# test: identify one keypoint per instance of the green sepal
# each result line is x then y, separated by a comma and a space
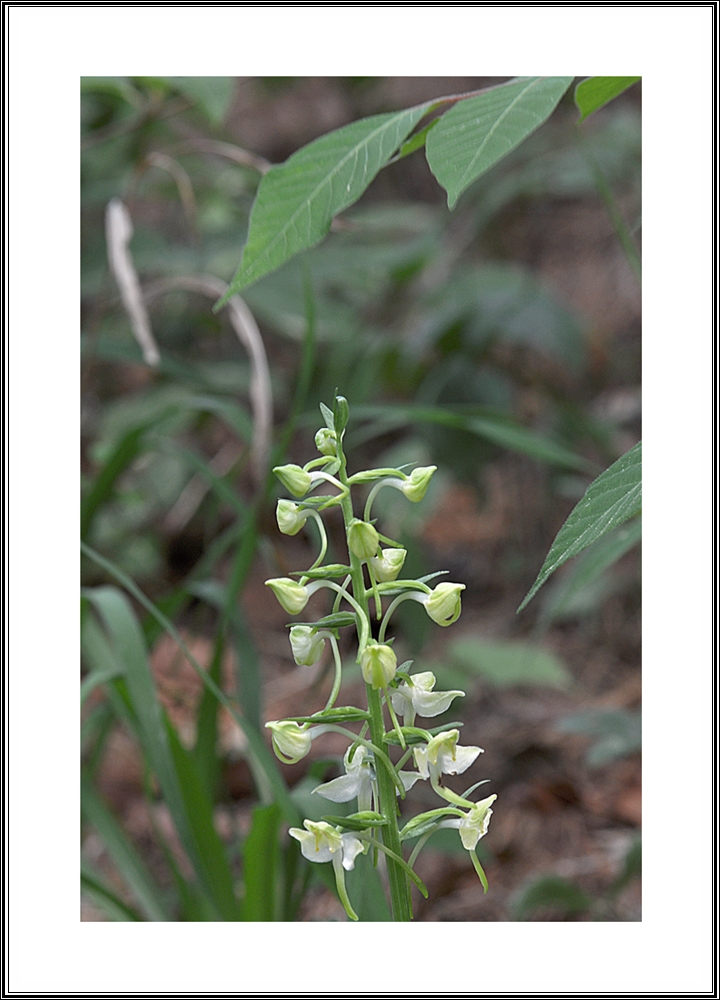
323, 572
328, 417
341, 619
357, 821
424, 822
347, 713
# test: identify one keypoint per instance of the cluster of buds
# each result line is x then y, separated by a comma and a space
370, 576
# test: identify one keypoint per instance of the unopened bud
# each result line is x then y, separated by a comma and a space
363, 540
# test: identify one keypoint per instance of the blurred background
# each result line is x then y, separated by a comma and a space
500, 342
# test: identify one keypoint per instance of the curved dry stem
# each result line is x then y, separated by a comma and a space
118, 233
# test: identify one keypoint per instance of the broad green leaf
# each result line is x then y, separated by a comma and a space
505, 664
129, 863
297, 200
597, 91
613, 498
554, 893
474, 134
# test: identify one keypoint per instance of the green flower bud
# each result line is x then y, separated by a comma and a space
415, 487
290, 518
341, 413
326, 441
443, 604
388, 564
289, 593
293, 478
307, 645
363, 540
378, 665
291, 742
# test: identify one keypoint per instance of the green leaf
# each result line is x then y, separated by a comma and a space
613, 498
262, 858
597, 91
581, 587
339, 620
323, 572
554, 893
335, 715
478, 132
357, 821
504, 664
297, 200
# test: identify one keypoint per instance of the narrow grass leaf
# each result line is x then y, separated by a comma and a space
613, 498
297, 200
105, 898
478, 132
218, 877
154, 731
597, 91
261, 759
261, 864
124, 855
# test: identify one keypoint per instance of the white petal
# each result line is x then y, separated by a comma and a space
409, 778
308, 846
340, 789
459, 761
421, 759
431, 703
351, 848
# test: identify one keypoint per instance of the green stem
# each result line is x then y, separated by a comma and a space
400, 899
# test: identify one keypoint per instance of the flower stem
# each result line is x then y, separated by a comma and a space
400, 899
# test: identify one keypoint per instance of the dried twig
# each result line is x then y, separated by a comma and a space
118, 232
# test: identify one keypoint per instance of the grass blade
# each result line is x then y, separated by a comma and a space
128, 862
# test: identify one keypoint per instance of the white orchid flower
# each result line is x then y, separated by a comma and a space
357, 782
322, 842
442, 755
419, 698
